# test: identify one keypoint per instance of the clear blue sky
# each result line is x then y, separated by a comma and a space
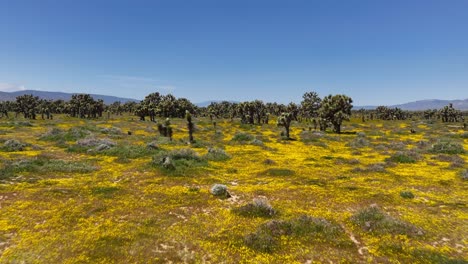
377, 52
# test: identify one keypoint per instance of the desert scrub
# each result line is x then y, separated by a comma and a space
72, 134
404, 157
13, 145
407, 194
220, 190
277, 172
16, 124
92, 144
111, 130
44, 165
259, 207
373, 219
178, 160
306, 228
464, 175
242, 137
447, 147
311, 136
216, 154
246, 138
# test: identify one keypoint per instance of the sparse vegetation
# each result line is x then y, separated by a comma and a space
100, 191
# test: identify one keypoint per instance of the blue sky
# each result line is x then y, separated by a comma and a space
377, 52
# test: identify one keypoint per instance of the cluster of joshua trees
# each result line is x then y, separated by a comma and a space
321, 113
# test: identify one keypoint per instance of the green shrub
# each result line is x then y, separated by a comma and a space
111, 130
13, 145
259, 207
179, 160
217, 154
447, 147
73, 134
372, 219
404, 157
407, 194
278, 172
43, 164
242, 137
267, 237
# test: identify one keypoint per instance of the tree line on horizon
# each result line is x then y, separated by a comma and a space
322, 113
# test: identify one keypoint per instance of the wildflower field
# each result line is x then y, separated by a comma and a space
88, 191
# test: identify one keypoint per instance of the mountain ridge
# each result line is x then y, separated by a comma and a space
460, 104
108, 99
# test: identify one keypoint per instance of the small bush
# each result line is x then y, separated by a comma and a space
259, 207
111, 130
404, 157
464, 175
220, 190
152, 145
242, 137
217, 154
407, 194
257, 142
372, 219
447, 147
359, 142
278, 172
44, 165
311, 136
267, 237
261, 241
13, 145
94, 142
178, 160
72, 134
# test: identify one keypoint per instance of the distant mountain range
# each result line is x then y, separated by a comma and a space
207, 103
11, 96
425, 104
417, 105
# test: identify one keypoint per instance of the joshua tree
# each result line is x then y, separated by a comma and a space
27, 104
310, 105
284, 120
335, 109
190, 125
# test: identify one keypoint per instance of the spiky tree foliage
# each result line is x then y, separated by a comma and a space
116, 108
386, 113
130, 107
430, 113
84, 106
165, 129
247, 112
293, 109
190, 125
310, 105
450, 114
168, 105
27, 104
285, 120
336, 109
4, 108
45, 108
